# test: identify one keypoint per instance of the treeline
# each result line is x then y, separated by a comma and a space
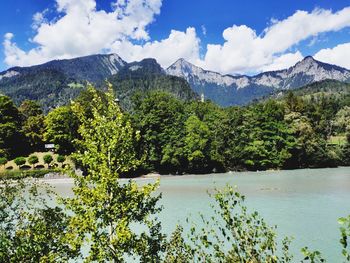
200, 137
108, 220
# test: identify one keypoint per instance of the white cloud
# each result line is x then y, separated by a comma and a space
339, 55
167, 51
245, 51
38, 19
80, 29
83, 30
284, 61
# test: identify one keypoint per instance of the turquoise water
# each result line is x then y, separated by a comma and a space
304, 204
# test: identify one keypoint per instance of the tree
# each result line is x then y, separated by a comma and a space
33, 159
11, 139
160, 118
232, 234
19, 161
47, 158
177, 250
33, 126
345, 235
28, 232
61, 159
105, 209
342, 119
29, 108
196, 143
61, 129
3, 161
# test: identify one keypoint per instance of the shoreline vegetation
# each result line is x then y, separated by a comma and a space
178, 137
308, 129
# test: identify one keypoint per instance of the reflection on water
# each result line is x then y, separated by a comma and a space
302, 203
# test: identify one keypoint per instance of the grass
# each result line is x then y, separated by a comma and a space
18, 174
337, 140
40, 155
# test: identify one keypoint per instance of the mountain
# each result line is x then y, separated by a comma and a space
229, 90
319, 89
57, 82
148, 75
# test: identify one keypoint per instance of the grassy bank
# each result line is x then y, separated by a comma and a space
18, 174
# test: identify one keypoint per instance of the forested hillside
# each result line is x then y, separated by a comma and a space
190, 136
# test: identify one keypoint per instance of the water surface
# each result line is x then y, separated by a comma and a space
304, 203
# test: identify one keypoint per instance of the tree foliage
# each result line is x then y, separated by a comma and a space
61, 129
106, 209
30, 229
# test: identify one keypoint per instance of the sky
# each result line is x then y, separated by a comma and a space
227, 36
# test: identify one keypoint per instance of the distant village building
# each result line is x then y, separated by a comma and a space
50, 147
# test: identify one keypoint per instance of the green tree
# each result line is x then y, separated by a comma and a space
32, 124
30, 108
342, 119
232, 234
177, 250
105, 209
11, 139
61, 159
268, 138
3, 161
345, 236
196, 143
28, 232
160, 118
19, 161
61, 129
47, 158
33, 159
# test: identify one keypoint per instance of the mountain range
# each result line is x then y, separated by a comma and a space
57, 82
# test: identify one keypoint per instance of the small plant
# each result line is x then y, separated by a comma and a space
47, 159
19, 161
61, 159
33, 159
3, 161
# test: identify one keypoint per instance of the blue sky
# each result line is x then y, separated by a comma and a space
223, 35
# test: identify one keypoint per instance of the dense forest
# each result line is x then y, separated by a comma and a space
296, 130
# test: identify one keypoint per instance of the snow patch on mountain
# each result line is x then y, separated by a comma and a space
9, 74
114, 63
135, 67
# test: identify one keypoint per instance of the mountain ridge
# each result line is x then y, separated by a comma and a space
57, 82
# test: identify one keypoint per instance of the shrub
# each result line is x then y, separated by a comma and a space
33, 160
3, 160
40, 166
47, 159
20, 161
61, 159
31, 173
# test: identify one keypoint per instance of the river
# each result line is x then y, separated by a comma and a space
304, 204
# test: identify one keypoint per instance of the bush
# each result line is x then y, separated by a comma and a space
3, 160
20, 161
24, 174
61, 159
47, 159
33, 159
40, 166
